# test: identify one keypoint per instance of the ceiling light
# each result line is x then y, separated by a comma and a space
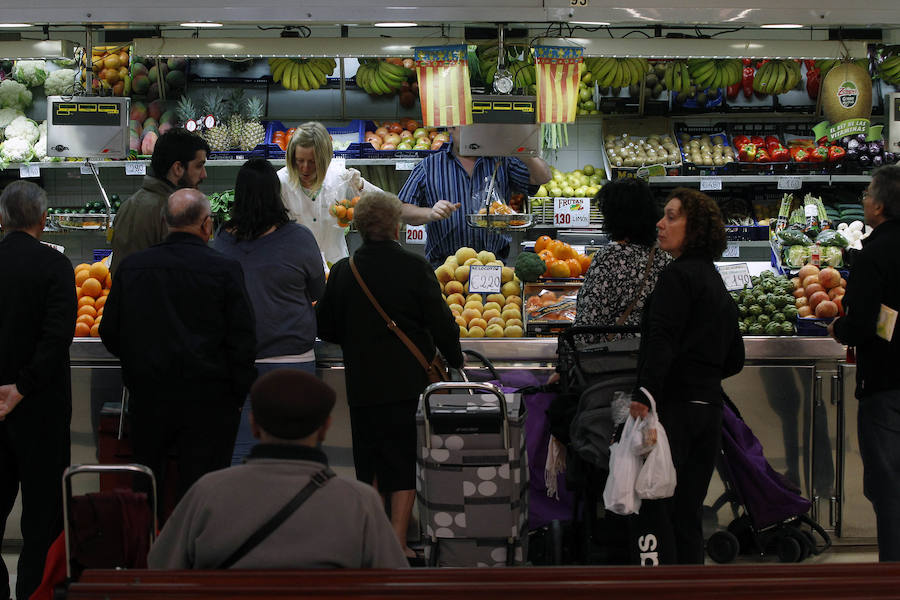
200, 24
399, 24
782, 26
592, 23
14, 25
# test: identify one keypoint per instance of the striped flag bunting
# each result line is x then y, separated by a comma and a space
444, 91
558, 74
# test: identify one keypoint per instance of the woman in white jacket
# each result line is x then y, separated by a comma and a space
311, 182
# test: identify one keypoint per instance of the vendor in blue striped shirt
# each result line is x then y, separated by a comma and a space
447, 186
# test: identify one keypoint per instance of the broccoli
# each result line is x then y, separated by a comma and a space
529, 266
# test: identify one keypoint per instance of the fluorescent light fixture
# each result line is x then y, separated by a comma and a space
713, 48
398, 24
592, 23
200, 24
37, 50
14, 25
782, 26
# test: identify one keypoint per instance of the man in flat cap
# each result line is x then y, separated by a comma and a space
283, 508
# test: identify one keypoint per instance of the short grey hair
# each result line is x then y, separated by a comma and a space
186, 207
21, 205
377, 216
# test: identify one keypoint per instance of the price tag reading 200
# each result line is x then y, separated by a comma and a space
484, 279
415, 234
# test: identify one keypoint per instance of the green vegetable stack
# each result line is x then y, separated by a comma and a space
768, 307
220, 203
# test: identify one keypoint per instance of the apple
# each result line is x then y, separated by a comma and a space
392, 138
436, 144
420, 132
405, 145
394, 127
382, 131
432, 133
375, 141
412, 125
388, 146
406, 134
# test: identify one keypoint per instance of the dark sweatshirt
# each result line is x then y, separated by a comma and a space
690, 339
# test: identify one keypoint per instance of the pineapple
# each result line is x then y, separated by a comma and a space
186, 110
236, 120
214, 104
253, 132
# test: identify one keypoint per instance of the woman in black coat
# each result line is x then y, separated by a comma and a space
690, 342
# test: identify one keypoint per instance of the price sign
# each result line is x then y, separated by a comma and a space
415, 234
710, 184
736, 276
732, 251
789, 182
484, 279
578, 2
29, 171
135, 168
404, 165
572, 212
58, 248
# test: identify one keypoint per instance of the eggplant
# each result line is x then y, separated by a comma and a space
861, 138
874, 148
853, 153
890, 158
845, 140
877, 161
864, 159
853, 144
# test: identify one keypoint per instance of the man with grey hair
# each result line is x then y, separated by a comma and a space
179, 319
37, 320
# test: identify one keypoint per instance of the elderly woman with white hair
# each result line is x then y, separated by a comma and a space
384, 378
311, 182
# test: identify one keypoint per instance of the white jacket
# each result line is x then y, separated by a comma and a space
314, 213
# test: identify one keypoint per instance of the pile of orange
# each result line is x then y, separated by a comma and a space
562, 260
281, 137
92, 283
343, 210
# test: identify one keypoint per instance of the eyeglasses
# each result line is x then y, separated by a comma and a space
865, 194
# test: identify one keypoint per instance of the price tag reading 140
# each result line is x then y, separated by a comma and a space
572, 212
484, 279
736, 276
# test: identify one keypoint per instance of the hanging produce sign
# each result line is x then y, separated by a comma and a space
846, 95
558, 74
444, 90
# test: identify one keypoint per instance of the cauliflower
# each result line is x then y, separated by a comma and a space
7, 115
60, 83
15, 150
24, 128
14, 95
40, 149
30, 72
42, 128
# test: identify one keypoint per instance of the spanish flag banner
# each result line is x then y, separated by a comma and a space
444, 90
558, 74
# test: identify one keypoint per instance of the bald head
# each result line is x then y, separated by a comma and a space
188, 210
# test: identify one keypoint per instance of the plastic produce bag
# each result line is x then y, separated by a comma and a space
619, 495
656, 478
793, 237
830, 237
796, 256
832, 256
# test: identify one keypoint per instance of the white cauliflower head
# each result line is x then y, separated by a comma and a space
23, 127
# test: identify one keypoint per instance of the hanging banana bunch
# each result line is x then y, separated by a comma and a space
826, 64
777, 77
889, 69
608, 71
677, 76
301, 73
379, 77
715, 73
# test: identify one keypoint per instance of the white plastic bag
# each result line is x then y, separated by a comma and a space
619, 495
656, 478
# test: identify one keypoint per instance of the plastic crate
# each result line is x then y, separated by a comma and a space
258, 152
762, 130
690, 168
810, 326
744, 233
795, 131
352, 133
101, 253
366, 150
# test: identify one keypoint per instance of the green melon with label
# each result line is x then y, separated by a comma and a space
847, 93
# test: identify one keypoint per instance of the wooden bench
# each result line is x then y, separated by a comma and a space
733, 582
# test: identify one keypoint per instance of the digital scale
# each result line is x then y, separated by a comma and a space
504, 125
87, 126
892, 112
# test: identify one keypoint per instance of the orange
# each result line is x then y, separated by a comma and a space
99, 302
542, 243
77, 292
98, 319
105, 292
82, 329
82, 276
82, 267
340, 212
107, 283
546, 255
86, 319
85, 301
574, 267
87, 310
585, 262
95, 330
91, 287
350, 214
559, 269
99, 271
563, 251
354, 201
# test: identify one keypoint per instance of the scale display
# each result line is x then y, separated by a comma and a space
87, 127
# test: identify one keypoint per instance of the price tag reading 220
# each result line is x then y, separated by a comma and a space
484, 279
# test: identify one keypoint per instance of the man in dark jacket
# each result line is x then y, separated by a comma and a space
37, 318
179, 319
871, 304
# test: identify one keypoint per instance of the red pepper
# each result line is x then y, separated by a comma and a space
748, 153
819, 154
740, 141
810, 64
747, 80
732, 91
758, 140
799, 154
779, 153
747, 62
812, 83
771, 142
836, 154
762, 156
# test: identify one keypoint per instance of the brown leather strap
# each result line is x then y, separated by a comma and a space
390, 322
621, 320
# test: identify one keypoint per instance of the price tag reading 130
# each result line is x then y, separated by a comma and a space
415, 234
736, 276
572, 212
484, 279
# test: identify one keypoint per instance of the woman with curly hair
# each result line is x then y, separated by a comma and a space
690, 342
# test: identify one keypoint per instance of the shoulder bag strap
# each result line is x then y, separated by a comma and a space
390, 322
319, 479
640, 289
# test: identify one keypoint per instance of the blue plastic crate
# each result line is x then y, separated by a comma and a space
354, 132
810, 326
366, 150
101, 253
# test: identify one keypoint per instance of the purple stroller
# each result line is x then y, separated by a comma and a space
770, 513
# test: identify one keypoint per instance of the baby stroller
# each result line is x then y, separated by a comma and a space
594, 369
770, 514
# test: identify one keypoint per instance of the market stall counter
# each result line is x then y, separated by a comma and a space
795, 393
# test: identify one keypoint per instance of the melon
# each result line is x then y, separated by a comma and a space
140, 84
155, 109
148, 143
175, 79
846, 93
138, 112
